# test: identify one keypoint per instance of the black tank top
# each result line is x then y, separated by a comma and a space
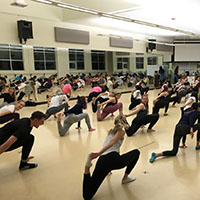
111, 103
142, 112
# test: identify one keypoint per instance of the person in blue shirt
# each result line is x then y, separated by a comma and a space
186, 125
19, 78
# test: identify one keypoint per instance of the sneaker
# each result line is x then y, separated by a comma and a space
153, 157
128, 180
25, 165
197, 148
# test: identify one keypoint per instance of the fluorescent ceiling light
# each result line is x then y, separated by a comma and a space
44, 1
117, 17
125, 10
77, 8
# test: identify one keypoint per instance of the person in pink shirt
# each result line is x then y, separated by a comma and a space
67, 89
96, 89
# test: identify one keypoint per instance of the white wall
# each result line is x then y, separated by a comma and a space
44, 19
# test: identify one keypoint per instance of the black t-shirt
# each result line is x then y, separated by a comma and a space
111, 103
7, 98
18, 128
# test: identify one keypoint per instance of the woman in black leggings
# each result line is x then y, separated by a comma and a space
161, 101
109, 159
142, 117
185, 126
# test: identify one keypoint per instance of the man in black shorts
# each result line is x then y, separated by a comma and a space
17, 134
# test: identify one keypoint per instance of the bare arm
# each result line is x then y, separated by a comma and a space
138, 108
5, 113
187, 103
7, 144
112, 99
160, 95
182, 86
133, 90
101, 94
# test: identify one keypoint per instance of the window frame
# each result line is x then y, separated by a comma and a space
77, 61
100, 60
123, 63
151, 61
10, 49
44, 51
139, 62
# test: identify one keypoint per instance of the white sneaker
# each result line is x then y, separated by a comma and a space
128, 180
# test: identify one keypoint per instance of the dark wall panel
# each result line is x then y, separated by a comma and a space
71, 36
123, 43
162, 47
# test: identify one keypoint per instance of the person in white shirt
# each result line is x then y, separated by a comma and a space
7, 112
109, 84
135, 97
57, 103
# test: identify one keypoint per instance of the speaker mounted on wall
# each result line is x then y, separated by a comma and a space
151, 45
25, 30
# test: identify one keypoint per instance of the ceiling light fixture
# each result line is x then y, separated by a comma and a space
44, 1
113, 16
76, 8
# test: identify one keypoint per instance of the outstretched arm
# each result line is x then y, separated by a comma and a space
187, 103
138, 108
7, 144
5, 113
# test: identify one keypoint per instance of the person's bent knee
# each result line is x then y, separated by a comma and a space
120, 105
61, 133
99, 119
137, 152
128, 133
16, 116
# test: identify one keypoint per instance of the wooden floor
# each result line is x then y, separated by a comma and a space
61, 162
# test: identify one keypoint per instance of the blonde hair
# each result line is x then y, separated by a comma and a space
120, 123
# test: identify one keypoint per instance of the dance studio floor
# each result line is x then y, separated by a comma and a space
61, 162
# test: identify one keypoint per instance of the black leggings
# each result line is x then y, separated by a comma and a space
101, 100
31, 103
182, 112
181, 94
181, 131
104, 165
91, 95
142, 120
55, 109
8, 117
134, 102
26, 142
160, 104
172, 99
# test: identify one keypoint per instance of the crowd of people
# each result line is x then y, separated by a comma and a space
105, 101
